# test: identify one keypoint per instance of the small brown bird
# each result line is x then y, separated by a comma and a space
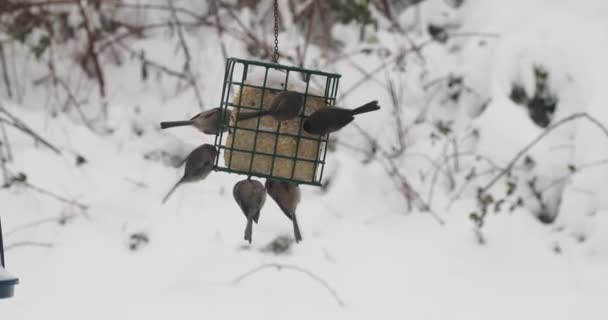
287, 195
209, 122
284, 106
250, 195
199, 164
332, 119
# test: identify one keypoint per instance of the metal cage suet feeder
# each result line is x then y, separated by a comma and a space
7, 281
264, 147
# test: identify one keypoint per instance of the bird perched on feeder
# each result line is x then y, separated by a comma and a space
287, 196
199, 164
250, 195
286, 105
332, 119
209, 122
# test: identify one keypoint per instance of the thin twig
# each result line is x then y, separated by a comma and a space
220, 29
5, 76
3, 160
60, 220
435, 176
160, 7
71, 98
244, 29
153, 64
532, 143
6, 143
474, 34
397, 114
188, 61
280, 266
407, 191
55, 196
566, 177
20, 5
302, 55
131, 30
92, 53
29, 244
18, 124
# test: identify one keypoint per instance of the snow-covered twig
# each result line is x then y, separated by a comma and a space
280, 266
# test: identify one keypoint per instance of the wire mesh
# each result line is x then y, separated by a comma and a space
236, 80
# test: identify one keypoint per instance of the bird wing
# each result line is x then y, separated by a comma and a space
339, 119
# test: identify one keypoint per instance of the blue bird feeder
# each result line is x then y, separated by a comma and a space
7, 281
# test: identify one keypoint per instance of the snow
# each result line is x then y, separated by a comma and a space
381, 261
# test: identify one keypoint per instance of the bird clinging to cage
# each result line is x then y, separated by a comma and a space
267, 147
199, 164
287, 196
250, 195
332, 119
286, 105
208, 122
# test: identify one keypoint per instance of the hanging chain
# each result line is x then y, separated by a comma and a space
275, 57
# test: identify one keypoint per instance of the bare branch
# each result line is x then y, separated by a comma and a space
92, 54
280, 266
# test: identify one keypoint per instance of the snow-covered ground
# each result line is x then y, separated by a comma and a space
380, 261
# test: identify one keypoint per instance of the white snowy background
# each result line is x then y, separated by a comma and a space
381, 260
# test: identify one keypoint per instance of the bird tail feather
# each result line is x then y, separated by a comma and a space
296, 228
171, 124
249, 229
172, 190
368, 107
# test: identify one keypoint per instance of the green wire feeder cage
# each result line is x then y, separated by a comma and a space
264, 147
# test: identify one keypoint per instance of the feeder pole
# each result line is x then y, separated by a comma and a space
1, 247
7, 281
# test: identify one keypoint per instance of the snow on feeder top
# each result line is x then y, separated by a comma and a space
7, 281
265, 147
